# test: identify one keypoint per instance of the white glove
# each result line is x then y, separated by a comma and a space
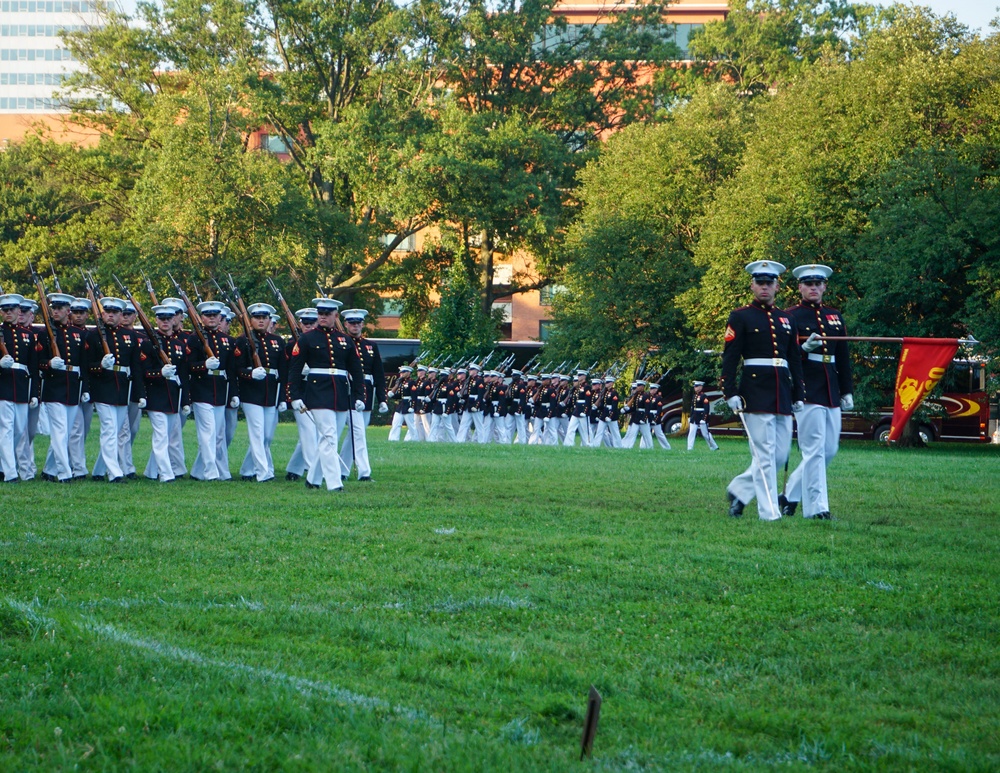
33, 402
108, 361
359, 405
282, 407
298, 405
6, 361
141, 403
85, 397
383, 407
473, 410
305, 370
812, 343
185, 410
234, 403
57, 363
258, 374
212, 363
410, 411
168, 371
735, 404
797, 406
847, 402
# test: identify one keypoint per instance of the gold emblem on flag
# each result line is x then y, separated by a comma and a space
909, 392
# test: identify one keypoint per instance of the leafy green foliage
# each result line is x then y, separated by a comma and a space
458, 327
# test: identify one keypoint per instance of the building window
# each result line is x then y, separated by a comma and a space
508, 311
503, 273
409, 244
392, 307
544, 329
548, 293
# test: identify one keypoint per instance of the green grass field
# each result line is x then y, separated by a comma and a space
453, 614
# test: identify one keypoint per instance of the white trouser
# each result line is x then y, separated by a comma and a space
470, 420
509, 424
13, 426
486, 435
521, 429
304, 455
819, 439
537, 436
770, 437
552, 426
397, 427
414, 429
354, 449
660, 436
577, 424
134, 421
160, 463
631, 433
329, 425
260, 433
78, 432
702, 426
113, 420
124, 450
645, 436
442, 429
26, 446
212, 461
598, 432
424, 420
613, 438
58, 461
232, 417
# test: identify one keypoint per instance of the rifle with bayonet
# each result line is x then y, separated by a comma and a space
92, 293
193, 314
292, 322
149, 288
43, 304
55, 279
252, 336
152, 332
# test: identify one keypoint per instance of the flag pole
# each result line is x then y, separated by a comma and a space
970, 341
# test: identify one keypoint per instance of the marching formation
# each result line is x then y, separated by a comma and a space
470, 404
56, 377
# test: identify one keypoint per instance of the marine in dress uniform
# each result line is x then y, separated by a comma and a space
232, 411
261, 390
334, 385
354, 449
444, 403
701, 406
63, 381
635, 409
129, 317
578, 408
214, 388
115, 378
472, 407
656, 416
79, 314
826, 369
399, 394
765, 339
26, 446
167, 385
18, 384
304, 454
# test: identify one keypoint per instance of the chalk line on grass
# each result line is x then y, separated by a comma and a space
170, 652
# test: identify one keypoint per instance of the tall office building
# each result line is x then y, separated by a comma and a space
33, 60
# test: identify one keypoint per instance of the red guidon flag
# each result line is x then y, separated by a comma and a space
921, 365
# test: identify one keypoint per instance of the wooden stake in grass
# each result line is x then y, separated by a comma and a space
590, 722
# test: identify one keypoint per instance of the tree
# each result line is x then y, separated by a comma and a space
458, 327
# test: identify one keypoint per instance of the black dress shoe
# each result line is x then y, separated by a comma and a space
80, 477
311, 485
119, 479
735, 506
97, 477
365, 479
248, 477
825, 516
68, 480
786, 508
343, 478
291, 476
132, 476
49, 478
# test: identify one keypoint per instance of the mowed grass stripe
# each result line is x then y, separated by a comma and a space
489, 586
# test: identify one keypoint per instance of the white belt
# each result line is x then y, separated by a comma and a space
73, 368
122, 369
495, 402
19, 366
546, 404
442, 399
766, 362
821, 357
272, 372
369, 379
580, 401
219, 373
327, 372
